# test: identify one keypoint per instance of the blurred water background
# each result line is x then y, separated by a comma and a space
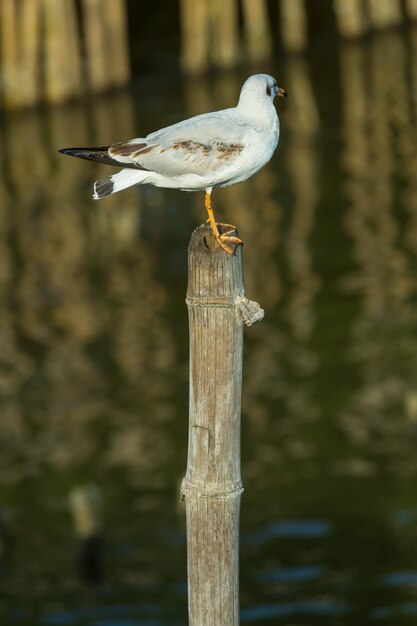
94, 349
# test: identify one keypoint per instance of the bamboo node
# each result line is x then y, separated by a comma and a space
250, 311
187, 489
210, 301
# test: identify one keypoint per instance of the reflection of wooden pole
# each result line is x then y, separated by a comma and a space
350, 17
86, 504
304, 116
294, 24
303, 119
257, 35
212, 486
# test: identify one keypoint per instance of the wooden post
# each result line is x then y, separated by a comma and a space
62, 61
224, 47
385, 13
195, 35
411, 9
294, 24
212, 485
29, 42
9, 52
95, 44
117, 42
106, 43
350, 17
257, 33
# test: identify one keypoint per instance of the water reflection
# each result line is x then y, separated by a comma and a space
93, 359
63, 261
378, 220
86, 507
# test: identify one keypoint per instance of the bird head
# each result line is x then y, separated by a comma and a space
260, 89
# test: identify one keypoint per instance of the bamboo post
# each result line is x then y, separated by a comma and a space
30, 52
73, 68
350, 17
212, 486
257, 34
95, 44
225, 33
294, 24
117, 48
411, 9
62, 62
385, 13
195, 34
9, 52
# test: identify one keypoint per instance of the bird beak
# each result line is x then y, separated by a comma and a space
281, 92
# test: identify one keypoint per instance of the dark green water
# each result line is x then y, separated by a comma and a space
94, 349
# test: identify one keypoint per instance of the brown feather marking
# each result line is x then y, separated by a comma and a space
192, 147
125, 149
139, 153
228, 150
225, 151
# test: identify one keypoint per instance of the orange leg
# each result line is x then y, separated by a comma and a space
227, 238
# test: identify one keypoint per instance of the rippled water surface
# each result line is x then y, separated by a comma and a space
94, 349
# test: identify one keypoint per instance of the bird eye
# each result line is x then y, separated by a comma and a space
268, 90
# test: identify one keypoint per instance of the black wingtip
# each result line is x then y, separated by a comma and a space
83, 150
70, 151
99, 155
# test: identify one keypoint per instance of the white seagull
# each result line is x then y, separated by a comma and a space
210, 150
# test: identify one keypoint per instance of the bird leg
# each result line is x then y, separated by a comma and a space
225, 234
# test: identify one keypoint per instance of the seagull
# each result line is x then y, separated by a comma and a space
211, 150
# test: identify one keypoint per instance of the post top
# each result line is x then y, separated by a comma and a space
211, 271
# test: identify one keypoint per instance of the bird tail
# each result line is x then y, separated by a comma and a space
117, 182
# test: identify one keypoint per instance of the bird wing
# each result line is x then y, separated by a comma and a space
200, 145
